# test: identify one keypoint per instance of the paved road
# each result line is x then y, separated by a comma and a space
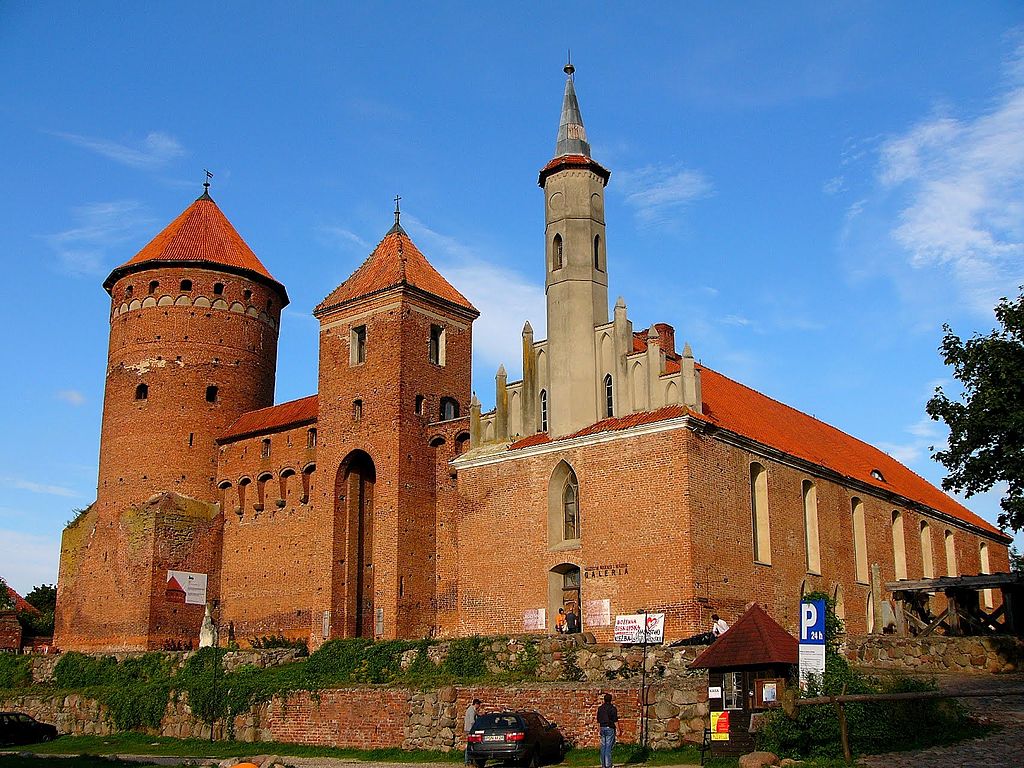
1002, 748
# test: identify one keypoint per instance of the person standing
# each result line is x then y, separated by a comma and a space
572, 621
470, 721
607, 719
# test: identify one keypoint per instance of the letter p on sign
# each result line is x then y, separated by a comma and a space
808, 618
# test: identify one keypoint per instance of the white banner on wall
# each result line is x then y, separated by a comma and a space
534, 620
597, 613
194, 585
630, 629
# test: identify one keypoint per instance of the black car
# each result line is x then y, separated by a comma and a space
19, 728
526, 738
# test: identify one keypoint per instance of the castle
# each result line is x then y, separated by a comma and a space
619, 474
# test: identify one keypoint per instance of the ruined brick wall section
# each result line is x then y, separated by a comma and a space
723, 536
635, 544
187, 537
129, 558
275, 577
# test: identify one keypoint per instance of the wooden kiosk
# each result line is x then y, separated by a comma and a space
748, 668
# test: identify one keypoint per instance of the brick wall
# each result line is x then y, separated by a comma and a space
10, 631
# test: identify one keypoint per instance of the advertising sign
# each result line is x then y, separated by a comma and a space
630, 629
597, 613
719, 726
812, 639
193, 584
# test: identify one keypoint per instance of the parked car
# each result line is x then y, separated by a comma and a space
526, 738
19, 728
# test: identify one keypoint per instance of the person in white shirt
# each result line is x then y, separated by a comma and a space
470, 721
720, 627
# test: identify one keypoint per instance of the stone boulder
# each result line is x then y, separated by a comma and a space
758, 760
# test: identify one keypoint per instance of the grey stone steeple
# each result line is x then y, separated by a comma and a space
572, 136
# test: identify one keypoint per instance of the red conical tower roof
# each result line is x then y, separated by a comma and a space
396, 261
202, 236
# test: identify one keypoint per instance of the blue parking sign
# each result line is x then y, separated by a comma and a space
812, 639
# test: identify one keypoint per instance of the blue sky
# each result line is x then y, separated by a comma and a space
806, 191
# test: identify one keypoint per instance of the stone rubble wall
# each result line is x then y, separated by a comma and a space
937, 653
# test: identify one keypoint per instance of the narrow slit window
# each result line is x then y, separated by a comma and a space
142, 392
609, 400
436, 345
556, 253
357, 410
597, 253
419, 404
265, 448
357, 345
811, 542
211, 394
543, 410
311, 438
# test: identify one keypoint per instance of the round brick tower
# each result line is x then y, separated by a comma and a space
193, 345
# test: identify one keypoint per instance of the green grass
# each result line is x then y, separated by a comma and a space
140, 744
82, 761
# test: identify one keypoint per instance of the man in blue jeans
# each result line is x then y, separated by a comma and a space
607, 717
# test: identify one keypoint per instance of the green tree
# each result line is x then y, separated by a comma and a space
43, 597
986, 426
6, 601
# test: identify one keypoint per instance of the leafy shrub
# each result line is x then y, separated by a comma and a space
336, 661
15, 671
77, 670
280, 641
466, 658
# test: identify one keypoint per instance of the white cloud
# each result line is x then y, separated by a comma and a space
659, 193
345, 237
28, 560
505, 298
960, 183
736, 320
153, 151
82, 249
32, 487
72, 396
834, 186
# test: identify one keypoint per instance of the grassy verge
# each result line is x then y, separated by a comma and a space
140, 744
82, 761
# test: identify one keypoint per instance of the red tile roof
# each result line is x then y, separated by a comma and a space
201, 234
20, 603
573, 161
730, 405
754, 639
395, 261
290, 414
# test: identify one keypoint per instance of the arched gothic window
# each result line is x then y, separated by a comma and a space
609, 402
563, 507
556, 253
543, 410
570, 509
449, 408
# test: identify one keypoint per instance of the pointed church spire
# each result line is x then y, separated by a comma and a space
572, 137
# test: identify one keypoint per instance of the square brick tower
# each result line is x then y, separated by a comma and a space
395, 356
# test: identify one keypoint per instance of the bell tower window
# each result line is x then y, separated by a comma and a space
556, 253
597, 253
436, 344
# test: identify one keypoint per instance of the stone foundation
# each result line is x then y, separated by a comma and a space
996, 654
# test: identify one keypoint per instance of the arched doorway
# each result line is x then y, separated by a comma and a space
564, 591
354, 540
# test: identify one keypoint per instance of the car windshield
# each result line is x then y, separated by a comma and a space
497, 721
